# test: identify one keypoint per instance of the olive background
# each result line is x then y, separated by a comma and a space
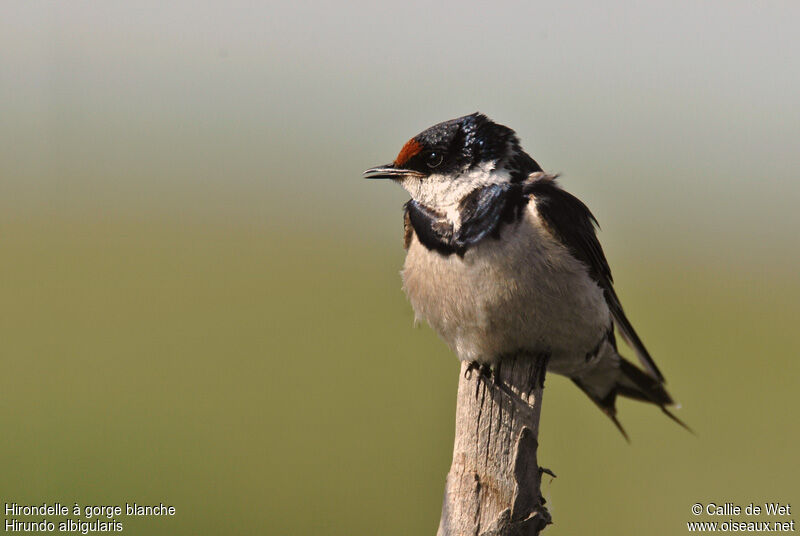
200, 299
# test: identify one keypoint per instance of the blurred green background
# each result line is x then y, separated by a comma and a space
199, 297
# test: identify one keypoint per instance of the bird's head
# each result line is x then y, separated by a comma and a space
442, 165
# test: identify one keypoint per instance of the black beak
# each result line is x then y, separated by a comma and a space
389, 172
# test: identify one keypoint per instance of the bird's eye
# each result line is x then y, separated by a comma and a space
434, 159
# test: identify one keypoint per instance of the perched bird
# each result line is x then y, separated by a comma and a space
502, 260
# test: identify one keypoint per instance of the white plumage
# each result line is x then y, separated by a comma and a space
524, 291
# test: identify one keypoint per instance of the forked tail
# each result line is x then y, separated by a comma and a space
612, 378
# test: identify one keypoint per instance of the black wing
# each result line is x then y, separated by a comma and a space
572, 222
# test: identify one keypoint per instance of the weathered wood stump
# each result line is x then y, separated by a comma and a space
493, 485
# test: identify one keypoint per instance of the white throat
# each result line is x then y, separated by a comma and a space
443, 193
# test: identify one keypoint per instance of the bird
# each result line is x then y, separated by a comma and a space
500, 260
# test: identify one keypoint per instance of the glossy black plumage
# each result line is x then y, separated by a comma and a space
466, 142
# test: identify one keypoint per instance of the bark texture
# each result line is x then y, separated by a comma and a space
493, 485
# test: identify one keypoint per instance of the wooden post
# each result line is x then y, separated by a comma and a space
492, 488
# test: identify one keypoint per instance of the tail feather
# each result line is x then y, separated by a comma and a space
636, 384
631, 382
672, 416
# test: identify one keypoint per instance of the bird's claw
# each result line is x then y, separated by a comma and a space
485, 370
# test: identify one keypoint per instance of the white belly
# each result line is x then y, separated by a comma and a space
522, 292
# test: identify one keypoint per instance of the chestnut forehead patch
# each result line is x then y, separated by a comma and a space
409, 150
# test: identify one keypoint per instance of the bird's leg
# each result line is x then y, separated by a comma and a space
496, 371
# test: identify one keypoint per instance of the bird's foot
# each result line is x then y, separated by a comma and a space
473, 365
485, 370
